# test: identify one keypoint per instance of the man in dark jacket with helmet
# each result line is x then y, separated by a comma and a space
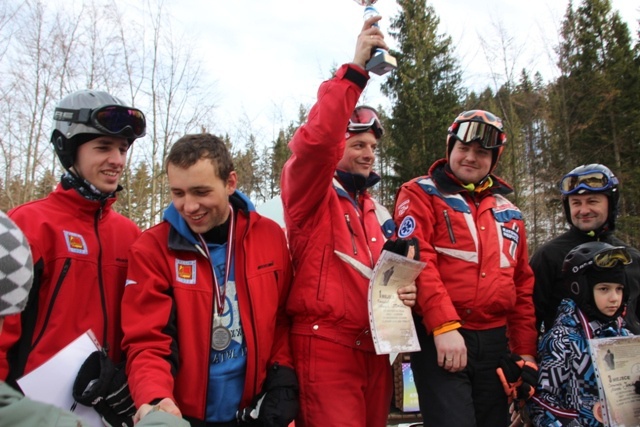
477, 283
590, 201
79, 244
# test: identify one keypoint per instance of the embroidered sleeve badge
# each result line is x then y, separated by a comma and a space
407, 227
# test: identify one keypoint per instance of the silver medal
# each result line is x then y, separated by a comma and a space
220, 338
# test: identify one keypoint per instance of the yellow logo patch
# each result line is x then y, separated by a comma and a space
75, 243
186, 271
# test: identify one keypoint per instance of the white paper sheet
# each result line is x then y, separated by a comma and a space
52, 382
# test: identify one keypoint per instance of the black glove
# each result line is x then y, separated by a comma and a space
401, 247
103, 385
277, 405
519, 377
637, 387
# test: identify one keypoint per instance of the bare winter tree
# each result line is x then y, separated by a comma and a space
53, 49
179, 100
35, 66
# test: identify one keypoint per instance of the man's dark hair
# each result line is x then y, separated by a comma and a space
189, 149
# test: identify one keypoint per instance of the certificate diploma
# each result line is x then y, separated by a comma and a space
391, 323
617, 366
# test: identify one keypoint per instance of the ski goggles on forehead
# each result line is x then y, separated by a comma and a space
612, 257
590, 181
110, 119
364, 119
487, 135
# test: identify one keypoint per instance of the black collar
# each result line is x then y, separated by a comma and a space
355, 183
219, 234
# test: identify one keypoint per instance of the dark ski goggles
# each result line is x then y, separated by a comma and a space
595, 181
364, 119
110, 119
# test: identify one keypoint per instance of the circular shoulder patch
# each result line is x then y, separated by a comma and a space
407, 226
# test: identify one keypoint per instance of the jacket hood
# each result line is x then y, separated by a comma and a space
238, 200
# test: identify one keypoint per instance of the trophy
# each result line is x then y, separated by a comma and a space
381, 61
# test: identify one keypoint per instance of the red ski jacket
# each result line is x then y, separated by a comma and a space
79, 250
475, 248
168, 309
328, 229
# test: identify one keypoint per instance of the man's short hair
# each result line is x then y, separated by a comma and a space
189, 149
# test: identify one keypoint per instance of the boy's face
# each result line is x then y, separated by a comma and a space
101, 161
200, 196
608, 297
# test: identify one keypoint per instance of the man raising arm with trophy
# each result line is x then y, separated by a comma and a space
334, 224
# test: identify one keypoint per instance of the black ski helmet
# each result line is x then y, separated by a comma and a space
591, 263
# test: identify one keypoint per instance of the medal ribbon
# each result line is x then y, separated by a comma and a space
220, 295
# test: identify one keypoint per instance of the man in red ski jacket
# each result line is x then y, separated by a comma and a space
78, 242
475, 294
203, 313
334, 225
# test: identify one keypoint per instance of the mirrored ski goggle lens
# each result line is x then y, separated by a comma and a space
363, 119
595, 181
611, 258
116, 120
488, 136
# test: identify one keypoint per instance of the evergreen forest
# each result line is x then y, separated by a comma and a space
589, 113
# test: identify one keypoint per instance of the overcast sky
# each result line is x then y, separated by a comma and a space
268, 57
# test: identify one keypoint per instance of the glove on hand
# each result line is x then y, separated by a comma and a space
519, 377
103, 385
277, 405
118, 396
637, 387
401, 247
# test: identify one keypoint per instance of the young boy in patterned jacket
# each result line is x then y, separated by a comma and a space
567, 392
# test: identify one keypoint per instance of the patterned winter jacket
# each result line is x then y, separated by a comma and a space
567, 388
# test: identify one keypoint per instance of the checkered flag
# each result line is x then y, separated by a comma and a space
16, 267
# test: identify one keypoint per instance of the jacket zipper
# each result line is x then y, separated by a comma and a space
103, 300
448, 221
255, 334
203, 252
353, 235
63, 274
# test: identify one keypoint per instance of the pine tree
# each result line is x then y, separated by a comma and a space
424, 90
140, 196
594, 102
250, 176
279, 154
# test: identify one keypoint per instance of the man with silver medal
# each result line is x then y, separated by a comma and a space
205, 329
